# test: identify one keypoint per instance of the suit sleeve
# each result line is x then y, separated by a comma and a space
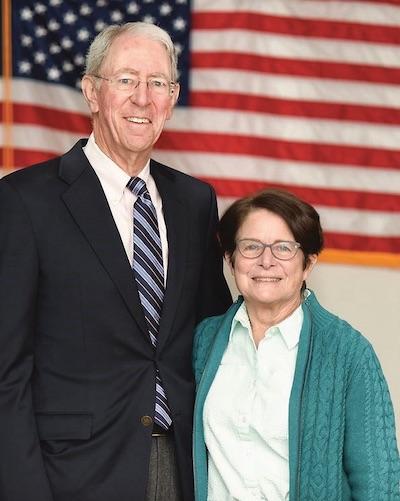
371, 458
214, 296
22, 473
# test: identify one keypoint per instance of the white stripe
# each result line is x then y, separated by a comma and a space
59, 97
240, 167
288, 128
333, 10
296, 88
350, 221
360, 222
41, 138
300, 48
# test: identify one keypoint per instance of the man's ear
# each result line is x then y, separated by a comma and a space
90, 91
174, 98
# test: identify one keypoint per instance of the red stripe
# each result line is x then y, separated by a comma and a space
288, 107
316, 196
298, 67
276, 148
362, 243
372, 2
24, 158
53, 118
293, 26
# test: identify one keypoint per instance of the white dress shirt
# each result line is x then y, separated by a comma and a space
120, 198
246, 413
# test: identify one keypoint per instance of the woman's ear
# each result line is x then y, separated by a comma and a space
229, 260
311, 262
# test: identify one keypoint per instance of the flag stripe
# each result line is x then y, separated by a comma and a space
295, 67
279, 148
224, 166
362, 11
247, 42
253, 21
290, 107
313, 89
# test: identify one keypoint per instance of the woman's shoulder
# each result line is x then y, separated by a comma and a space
207, 331
334, 336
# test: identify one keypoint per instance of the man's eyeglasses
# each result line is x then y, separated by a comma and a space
128, 83
283, 250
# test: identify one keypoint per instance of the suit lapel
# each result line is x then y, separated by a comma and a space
88, 206
176, 221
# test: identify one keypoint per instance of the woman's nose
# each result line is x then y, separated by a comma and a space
267, 258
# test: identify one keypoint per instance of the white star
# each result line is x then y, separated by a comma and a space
70, 17
55, 3
78, 84
183, 2
40, 8
40, 31
85, 10
149, 19
54, 48
100, 25
179, 24
147, 1
26, 14
53, 73
67, 66
116, 16
101, 3
83, 34
132, 8
39, 57
66, 43
165, 9
53, 25
25, 67
178, 48
26, 41
79, 60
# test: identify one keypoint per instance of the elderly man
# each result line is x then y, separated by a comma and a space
107, 261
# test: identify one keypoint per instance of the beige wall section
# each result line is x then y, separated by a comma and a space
369, 299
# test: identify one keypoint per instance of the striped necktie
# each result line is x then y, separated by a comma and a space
149, 275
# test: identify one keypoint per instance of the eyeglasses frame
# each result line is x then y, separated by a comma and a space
171, 84
264, 246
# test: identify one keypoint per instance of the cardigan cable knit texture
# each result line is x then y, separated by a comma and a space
342, 440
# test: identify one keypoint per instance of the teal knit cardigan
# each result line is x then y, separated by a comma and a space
342, 440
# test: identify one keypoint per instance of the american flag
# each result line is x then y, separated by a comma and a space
299, 94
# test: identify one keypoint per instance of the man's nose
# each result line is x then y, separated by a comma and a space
141, 93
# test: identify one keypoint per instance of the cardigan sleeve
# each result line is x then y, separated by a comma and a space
371, 458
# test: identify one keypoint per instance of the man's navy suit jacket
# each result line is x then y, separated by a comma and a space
77, 368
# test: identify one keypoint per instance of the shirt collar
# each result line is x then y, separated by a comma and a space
113, 179
289, 328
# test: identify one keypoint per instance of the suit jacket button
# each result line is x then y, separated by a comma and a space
146, 420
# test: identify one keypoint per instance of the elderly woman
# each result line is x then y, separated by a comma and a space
291, 400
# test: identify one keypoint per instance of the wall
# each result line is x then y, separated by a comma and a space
369, 299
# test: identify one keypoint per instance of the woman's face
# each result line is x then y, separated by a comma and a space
266, 281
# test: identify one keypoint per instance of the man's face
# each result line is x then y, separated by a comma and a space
127, 124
